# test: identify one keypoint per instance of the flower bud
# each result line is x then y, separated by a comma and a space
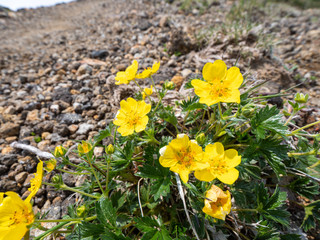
137, 150
248, 110
201, 138
57, 181
51, 164
110, 149
59, 151
169, 85
81, 210
301, 98
84, 147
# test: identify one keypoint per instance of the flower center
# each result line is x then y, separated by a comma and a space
22, 216
185, 157
134, 120
219, 91
219, 166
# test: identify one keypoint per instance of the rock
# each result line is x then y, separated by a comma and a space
33, 116
8, 160
3, 169
73, 128
21, 177
177, 80
84, 128
186, 72
84, 69
164, 21
63, 95
70, 118
99, 54
62, 130
9, 129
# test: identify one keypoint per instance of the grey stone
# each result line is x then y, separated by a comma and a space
9, 129
70, 118
84, 128
8, 159
20, 177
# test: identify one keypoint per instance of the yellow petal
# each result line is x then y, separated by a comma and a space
141, 124
214, 150
234, 96
155, 67
131, 71
204, 175
201, 88
17, 232
121, 78
229, 177
214, 72
234, 78
232, 158
126, 130
143, 108
145, 74
183, 173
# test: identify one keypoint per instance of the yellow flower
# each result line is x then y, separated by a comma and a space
51, 164
84, 147
132, 116
217, 203
149, 71
220, 85
147, 92
221, 163
59, 151
35, 182
182, 156
124, 77
15, 216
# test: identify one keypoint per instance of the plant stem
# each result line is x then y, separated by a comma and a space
244, 210
65, 187
95, 175
270, 96
292, 154
236, 232
27, 235
107, 178
236, 145
304, 127
220, 110
43, 235
142, 90
74, 173
66, 220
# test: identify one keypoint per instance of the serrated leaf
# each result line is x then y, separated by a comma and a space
102, 135
161, 188
290, 237
276, 200
146, 224
90, 230
118, 199
148, 171
277, 215
268, 119
106, 213
312, 212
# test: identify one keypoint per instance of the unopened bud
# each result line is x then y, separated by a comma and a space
248, 110
201, 138
84, 147
169, 85
301, 98
59, 151
81, 210
137, 150
110, 149
57, 181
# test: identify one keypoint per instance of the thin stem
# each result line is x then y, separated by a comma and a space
74, 173
142, 90
138, 190
46, 233
246, 130
292, 154
201, 123
184, 205
107, 178
184, 120
220, 110
244, 210
95, 175
304, 127
154, 85
65, 187
270, 96
236, 145
236, 232
289, 119
66, 220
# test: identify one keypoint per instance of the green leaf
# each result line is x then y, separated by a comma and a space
304, 187
103, 134
312, 213
276, 200
290, 237
277, 215
148, 171
146, 224
161, 188
106, 213
90, 230
268, 119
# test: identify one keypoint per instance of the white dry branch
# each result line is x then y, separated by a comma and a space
32, 149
